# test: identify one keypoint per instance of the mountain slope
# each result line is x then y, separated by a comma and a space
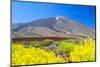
58, 26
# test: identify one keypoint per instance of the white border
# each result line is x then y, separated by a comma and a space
84, 2
5, 34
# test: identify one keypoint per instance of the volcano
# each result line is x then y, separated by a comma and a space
58, 26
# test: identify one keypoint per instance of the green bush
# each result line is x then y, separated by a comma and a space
46, 42
65, 46
43, 43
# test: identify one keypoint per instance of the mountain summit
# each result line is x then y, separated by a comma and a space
58, 26
59, 17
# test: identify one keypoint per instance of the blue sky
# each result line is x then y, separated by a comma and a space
23, 12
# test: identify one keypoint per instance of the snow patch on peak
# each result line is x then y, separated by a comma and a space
59, 17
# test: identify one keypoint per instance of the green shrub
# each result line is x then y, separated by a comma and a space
46, 42
41, 44
65, 47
